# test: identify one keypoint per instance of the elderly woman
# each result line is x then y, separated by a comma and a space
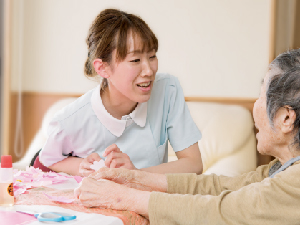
269, 195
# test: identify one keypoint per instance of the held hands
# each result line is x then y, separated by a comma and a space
116, 158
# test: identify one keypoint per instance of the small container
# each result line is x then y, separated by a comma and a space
6, 181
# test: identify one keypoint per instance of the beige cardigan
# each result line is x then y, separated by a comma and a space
251, 198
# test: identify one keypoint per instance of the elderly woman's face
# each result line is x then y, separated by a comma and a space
266, 136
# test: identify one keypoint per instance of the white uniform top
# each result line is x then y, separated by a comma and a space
84, 127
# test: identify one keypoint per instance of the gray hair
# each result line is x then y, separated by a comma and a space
283, 87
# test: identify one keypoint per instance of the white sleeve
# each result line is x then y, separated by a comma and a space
57, 146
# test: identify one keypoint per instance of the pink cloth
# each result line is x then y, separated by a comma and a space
15, 218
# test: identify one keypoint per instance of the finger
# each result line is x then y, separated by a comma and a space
93, 157
116, 163
86, 165
108, 159
110, 149
111, 156
119, 160
85, 169
77, 192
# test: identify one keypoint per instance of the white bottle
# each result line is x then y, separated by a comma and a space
6, 181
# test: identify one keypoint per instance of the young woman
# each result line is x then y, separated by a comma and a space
128, 120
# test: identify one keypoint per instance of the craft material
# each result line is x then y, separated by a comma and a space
6, 181
34, 177
97, 165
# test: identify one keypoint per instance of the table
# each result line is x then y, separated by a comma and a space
82, 217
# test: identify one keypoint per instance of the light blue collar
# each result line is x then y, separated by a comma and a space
286, 165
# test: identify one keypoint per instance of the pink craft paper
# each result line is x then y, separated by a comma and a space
97, 165
15, 218
34, 177
59, 198
78, 178
19, 190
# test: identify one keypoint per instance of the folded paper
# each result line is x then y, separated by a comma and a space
97, 165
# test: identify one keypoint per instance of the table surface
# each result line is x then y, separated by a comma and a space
82, 217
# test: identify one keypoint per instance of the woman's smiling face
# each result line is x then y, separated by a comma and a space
132, 78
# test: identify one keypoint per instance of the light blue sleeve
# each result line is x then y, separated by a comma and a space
182, 130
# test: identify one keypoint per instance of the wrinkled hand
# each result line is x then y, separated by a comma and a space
137, 179
116, 158
105, 193
84, 167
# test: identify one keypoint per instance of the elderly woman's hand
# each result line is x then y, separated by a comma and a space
108, 194
137, 179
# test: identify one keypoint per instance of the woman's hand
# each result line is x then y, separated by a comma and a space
137, 179
85, 166
116, 158
107, 194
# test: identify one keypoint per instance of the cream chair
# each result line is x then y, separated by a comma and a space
228, 145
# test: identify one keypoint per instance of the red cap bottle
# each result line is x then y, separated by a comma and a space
6, 181
6, 161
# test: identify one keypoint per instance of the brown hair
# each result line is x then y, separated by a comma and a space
109, 31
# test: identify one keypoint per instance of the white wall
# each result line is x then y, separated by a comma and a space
214, 47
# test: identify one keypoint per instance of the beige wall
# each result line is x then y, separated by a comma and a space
214, 47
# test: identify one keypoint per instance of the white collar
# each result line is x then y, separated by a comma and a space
115, 126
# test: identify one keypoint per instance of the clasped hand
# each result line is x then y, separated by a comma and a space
115, 158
